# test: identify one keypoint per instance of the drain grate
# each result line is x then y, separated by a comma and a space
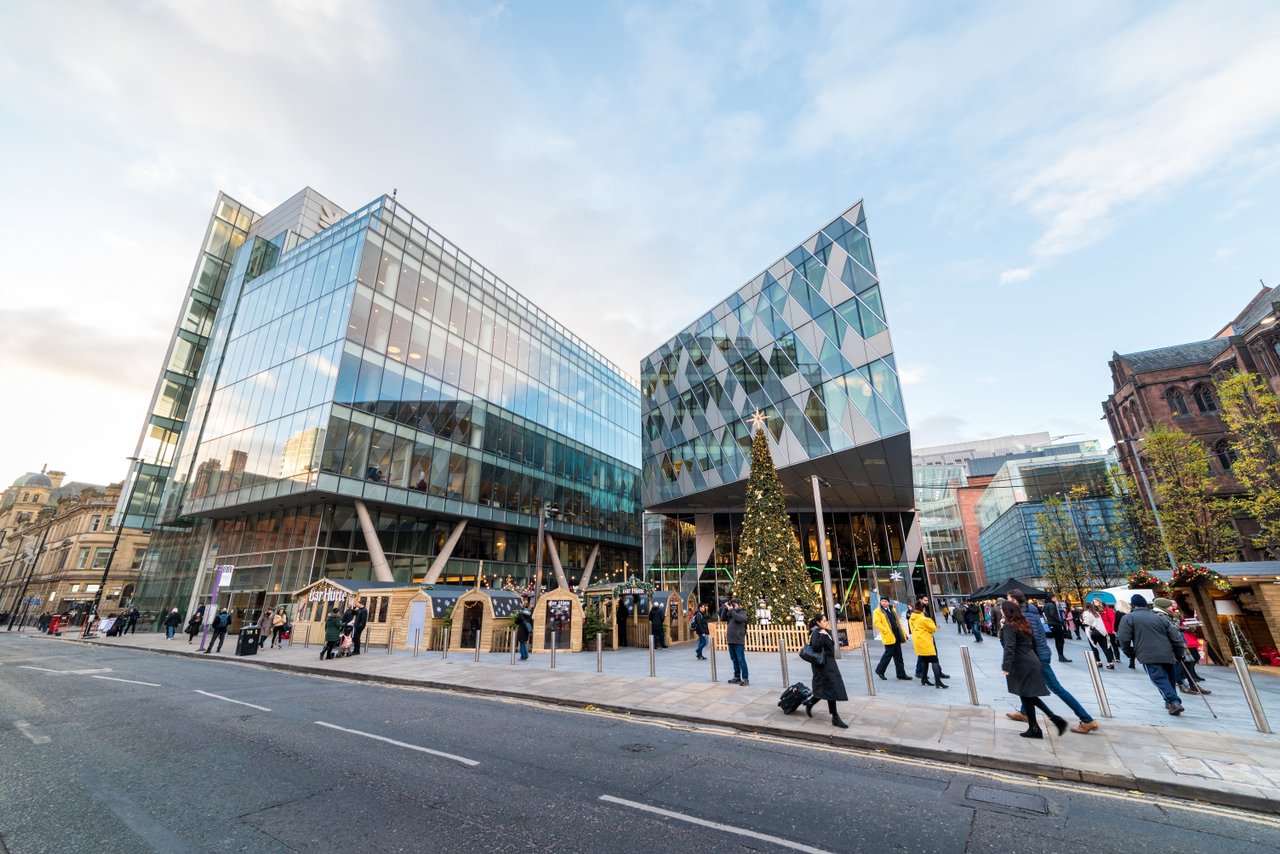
1007, 798
638, 748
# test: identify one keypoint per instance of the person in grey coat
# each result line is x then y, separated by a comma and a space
1153, 640
828, 684
736, 640
1021, 668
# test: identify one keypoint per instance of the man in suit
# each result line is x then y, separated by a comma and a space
892, 636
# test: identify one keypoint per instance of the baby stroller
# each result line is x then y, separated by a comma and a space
346, 645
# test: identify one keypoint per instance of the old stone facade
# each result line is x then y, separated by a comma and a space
57, 543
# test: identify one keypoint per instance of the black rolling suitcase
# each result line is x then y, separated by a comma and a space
793, 697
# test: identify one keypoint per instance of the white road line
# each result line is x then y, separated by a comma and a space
29, 731
45, 669
464, 760
130, 681
723, 828
90, 670
229, 700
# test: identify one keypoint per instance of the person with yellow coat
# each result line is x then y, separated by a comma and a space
922, 629
892, 636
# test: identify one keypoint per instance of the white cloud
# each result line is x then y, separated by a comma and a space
1015, 275
914, 374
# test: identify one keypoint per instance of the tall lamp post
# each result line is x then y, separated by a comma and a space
545, 512
827, 596
115, 543
35, 558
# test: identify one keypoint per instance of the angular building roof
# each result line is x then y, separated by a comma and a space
1177, 356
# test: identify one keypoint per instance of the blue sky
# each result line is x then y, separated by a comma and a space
1044, 185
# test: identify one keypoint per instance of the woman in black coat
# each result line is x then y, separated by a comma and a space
1021, 668
194, 624
828, 684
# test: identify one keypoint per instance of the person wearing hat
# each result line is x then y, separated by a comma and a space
1186, 669
1153, 640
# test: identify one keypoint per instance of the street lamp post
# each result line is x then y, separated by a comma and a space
35, 558
1151, 496
827, 596
545, 512
115, 543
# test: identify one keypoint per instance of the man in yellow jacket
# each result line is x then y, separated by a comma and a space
889, 626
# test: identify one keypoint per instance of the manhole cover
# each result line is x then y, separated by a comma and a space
638, 748
1007, 798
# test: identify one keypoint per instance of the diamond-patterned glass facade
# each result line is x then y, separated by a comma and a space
807, 343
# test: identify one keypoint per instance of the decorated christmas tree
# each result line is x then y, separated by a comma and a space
769, 565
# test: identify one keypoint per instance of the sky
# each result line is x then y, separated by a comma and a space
1044, 184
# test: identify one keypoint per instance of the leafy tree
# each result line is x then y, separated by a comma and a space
769, 564
1138, 524
1061, 555
1197, 524
1252, 412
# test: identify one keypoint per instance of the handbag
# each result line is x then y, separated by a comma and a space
811, 655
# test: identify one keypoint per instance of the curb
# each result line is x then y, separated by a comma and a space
991, 763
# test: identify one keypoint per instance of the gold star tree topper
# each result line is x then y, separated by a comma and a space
757, 420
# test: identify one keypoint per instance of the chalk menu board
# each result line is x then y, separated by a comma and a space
559, 617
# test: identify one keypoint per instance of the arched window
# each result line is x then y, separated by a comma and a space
1177, 403
1204, 398
1226, 455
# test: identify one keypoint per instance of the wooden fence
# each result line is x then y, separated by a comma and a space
765, 638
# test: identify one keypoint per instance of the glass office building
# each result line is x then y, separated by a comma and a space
807, 343
370, 402
946, 547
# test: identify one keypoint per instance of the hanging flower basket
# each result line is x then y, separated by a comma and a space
1188, 574
1142, 580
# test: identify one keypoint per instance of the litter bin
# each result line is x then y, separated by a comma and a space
247, 643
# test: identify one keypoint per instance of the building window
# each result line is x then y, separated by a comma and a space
1204, 399
26, 497
1177, 403
75, 588
82, 560
138, 555
95, 523
100, 558
1226, 455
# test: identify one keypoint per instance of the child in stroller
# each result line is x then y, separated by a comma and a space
346, 645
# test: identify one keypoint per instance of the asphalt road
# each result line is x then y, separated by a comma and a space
118, 750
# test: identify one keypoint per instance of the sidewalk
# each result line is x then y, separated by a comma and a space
1190, 757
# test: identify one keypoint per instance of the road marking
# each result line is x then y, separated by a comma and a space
464, 760
30, 732
33, 667
130, 681
723, 828
229, 700
89, 671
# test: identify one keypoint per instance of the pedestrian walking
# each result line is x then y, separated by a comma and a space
1120, 615
1021, 668
131, 621
218, 630
171, 623
1157, 644
892, 636
1032, 613
194, 624
1057, 626
1183, 673
1111, 624
946, 612
332, 633
827, 684
1096, 631
657, 620
701, 629
736, 640
278, 621
1069, 617
1194, 645
524, 629
973, 620
355, 618
265, 620
922, 630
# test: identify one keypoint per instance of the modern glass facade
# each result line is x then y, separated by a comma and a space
806, 343
373, 363
1012, 546
946, 548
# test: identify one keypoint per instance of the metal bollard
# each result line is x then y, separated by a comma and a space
1104, 707
555, 638
866, 667
477, 652
391, 637
968, 674
417, 639
306, 637
444, 647
513, 647
711, 645
782, 655
1251, 694
653, 670
599, 653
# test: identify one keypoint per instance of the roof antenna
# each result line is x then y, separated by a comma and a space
394, 191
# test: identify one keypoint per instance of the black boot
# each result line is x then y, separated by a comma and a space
924, 680
942, 684
808, 706
836, 722
1032, 732
1059, 723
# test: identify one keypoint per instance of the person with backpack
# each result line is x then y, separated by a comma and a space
700, 628
524, 630
219, 630
828, 684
